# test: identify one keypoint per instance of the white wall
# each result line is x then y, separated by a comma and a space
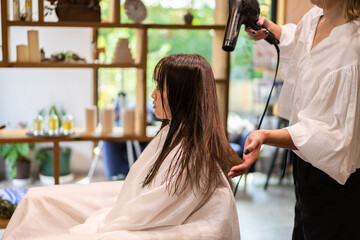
23, 92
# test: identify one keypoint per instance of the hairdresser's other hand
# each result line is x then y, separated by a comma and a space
251, 153
264, 32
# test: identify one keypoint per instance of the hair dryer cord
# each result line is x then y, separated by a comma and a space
272, 87
267, 103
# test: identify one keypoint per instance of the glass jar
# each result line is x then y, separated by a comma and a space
68, 124
53, 128
38, 126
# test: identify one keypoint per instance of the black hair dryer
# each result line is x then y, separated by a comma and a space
242, 12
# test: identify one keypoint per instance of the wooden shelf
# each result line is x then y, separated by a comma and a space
70, 65
73, 24
112, 25
19, 136
187, 27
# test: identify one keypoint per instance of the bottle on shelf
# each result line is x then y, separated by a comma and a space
28, 10
38, 126
16, 10
68, 123
53, 128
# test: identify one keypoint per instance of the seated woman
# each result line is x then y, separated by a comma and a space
177, 189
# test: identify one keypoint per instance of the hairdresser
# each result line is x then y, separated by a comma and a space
321, 100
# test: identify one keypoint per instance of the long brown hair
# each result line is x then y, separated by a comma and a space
195, 125
352, 9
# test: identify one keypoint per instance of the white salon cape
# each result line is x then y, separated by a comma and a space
320, 95
125, 210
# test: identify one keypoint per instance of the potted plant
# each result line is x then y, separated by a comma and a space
16, 159
45, 157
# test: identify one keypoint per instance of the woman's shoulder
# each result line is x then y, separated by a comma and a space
156, 144
162, 133
347, 43
355, 25
307, 22
314, 12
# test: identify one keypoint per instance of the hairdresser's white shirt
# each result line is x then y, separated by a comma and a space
320, 96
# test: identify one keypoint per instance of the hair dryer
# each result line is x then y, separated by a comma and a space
242, 12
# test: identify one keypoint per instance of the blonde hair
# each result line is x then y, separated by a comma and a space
352, 9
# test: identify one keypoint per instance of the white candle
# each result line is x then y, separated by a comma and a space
107, 120
22, 53
112, 11
33, 45
16, 10
91, 119
122, 52
129, 122
28, 10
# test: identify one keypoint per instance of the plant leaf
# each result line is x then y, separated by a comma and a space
23, 149
41, 157
42, 112
5, 150
11, 158
13, 173
31, 146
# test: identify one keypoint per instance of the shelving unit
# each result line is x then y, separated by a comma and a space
220, 62
220, 59
112, 25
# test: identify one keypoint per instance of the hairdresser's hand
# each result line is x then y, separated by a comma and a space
251, 153
264, 32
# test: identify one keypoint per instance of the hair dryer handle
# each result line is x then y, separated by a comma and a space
272, 39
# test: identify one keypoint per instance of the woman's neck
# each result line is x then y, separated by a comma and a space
333, 16
333, 13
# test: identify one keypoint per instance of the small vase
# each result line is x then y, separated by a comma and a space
188, 17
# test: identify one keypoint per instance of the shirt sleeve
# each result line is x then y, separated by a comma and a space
287, 40
286, 46
326, 134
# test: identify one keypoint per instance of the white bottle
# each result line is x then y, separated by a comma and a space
28, 10
16, 10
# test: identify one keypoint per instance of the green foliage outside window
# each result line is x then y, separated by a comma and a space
162, 42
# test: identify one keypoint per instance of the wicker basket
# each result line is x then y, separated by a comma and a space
77, 12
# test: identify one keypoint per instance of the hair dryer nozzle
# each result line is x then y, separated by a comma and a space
233, 25
229, 45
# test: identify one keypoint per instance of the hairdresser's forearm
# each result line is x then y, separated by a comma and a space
274, 28
278, 138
